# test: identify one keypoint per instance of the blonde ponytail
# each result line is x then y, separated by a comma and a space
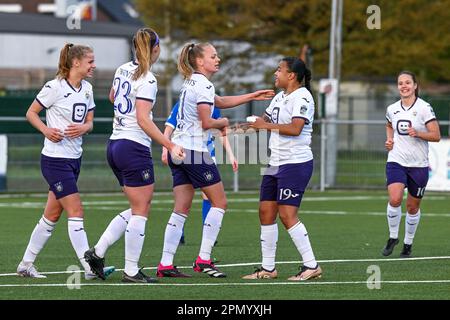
187, 62
144, 41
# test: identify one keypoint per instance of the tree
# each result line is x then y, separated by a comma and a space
414, 33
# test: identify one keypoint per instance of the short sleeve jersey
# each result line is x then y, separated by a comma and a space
65, 105
409, 151
126, 92
283, 108
189, 132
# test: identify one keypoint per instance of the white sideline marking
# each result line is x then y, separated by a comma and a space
278, 262
223, 284
88, 205
93, 205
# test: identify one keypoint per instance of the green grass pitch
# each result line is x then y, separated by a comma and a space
347, 230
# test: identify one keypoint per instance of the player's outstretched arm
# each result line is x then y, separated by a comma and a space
233, 101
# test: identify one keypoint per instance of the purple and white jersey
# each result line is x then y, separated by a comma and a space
409, 151
189, 132
283, 108
65, 105
126, 92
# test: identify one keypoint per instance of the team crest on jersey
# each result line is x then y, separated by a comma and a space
415, 113
208, 175
59, 186
146, 174
87, 95
286, 102
303, 109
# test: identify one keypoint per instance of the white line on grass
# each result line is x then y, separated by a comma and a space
224, 284
278, 262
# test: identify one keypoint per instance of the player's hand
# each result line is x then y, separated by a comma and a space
389, 144
263, 95
258, 124
412, 132
75, 130
234, 163
164, 157
224, 122
177, 153
53, 134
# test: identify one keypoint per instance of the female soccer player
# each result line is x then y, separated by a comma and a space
171, 124
69, 104
411, 123
289, 117
197, 63
129, 154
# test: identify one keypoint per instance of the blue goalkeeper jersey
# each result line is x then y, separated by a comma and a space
172, 122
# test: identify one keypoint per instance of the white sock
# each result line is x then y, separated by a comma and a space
411, 224
211, 229
300, 237
39, 237
394, 216
269, 238
174, 230
113, 232
79, 240
134, 240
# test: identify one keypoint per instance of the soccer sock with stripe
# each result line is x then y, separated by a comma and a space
300, 237
174, 230
79, 240
39, 237
113, 232
269, 238
134, 240
411, 224
211, 229
394, 216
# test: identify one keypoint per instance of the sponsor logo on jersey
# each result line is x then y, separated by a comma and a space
67, 95
152, 81
209, 87
402, 127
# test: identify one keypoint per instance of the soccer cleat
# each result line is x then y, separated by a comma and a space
262, 273
96, 263
206, 266
170, 272
106, 271
28, 270
140, 277
406, 252
391, 243
307, 273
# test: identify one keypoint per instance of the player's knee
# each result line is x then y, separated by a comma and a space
412, 209
220, 203
395, 201
53, 216
76, 212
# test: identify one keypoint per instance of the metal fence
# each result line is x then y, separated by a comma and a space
359, 161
